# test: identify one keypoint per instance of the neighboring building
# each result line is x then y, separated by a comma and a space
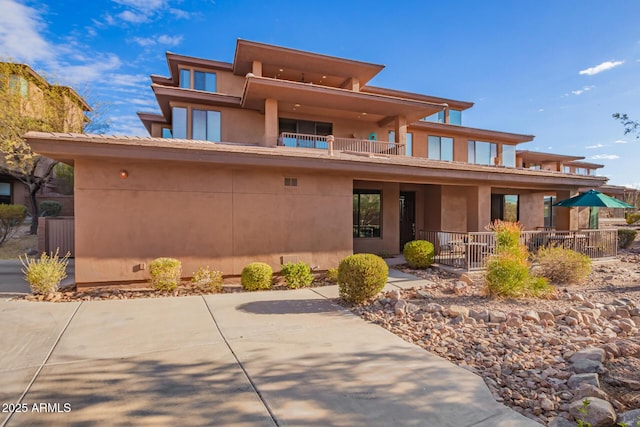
287, 155
21, 83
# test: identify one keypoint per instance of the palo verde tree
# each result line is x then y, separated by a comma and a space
630, 126
30, 103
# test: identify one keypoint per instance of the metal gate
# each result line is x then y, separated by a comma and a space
56, 233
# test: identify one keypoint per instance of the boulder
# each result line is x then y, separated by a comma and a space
590, 353
497, 316
630, 418
589, 391
598, 412
582, 366
576, 380
458, 310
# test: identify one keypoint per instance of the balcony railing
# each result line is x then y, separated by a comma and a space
300, 140
470, 251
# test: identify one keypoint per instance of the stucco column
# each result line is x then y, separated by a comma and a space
478, 207
401, 129
256, 68
566, 218
270, 122
531, 210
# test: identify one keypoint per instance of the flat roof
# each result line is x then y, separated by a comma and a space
538, 156
66, 147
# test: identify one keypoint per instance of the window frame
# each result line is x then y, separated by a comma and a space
440, 138
357, 222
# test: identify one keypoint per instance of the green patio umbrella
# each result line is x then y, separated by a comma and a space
594, 198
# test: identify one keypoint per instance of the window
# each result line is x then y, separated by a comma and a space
19, 85
204, 81
549, 211
436, 117
592, 172
509, 155
5, 193
409, 146
206, 125
185, 79
366, 213
482, 153
179, 122
505, 207
304, 127
582, 171
166, 133
566, 169
440, 148
201, 80
455, 117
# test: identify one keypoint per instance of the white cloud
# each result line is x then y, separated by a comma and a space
605, 157
142, 4
589, 147
540, 110
620, 141
583, 90
133, 17
20, 38
607, 65
162, 39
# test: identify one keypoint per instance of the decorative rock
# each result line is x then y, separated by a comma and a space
433, 308
460, 288
576, 380
589, 391
399, 307
599, 413
630, 418
560, 422
591, 353
393, 295
547, 404
611, 349
422, 294
497, 316
626, 325
458, 310
582, 366
514, 321
627, 348
531, 316
546, 315
479, 315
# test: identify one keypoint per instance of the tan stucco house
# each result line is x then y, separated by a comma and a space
285, 155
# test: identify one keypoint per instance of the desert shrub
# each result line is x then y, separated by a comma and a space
297, 275
561, 265
165, 273
332, 275
256, 276
207, 280
419, 253
361, 276
45, 274
626, 237
508, 271
50, 208
632, 218
11, 217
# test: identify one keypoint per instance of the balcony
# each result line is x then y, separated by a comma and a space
353, 145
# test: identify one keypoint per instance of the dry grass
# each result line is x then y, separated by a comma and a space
19, 244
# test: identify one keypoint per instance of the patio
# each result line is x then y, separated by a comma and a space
469, 251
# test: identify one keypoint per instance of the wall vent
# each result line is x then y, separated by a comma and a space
291, 182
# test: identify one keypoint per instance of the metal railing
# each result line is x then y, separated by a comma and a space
301, 140
470, 251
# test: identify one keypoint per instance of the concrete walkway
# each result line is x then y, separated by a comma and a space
283, 358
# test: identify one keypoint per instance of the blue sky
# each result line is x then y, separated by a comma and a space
554, 69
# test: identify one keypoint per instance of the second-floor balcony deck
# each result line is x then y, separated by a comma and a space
299, 140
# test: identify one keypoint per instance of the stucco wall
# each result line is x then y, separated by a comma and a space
531, 210
454, 208
204, 215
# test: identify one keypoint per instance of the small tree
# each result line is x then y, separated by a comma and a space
630, 126
30, 103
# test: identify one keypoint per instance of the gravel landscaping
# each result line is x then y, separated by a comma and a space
541, 357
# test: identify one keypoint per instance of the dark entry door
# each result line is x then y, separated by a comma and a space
407, 217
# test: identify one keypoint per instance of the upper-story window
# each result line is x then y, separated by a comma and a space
440, 148
582, 171
204, 124
482, 153
533, 166
566, 169
19, 85
509, 155
455, 117
592, 172
408, 151
198, 80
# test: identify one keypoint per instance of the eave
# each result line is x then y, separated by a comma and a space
479, 134
538, 156
68, 147
148, 119
452, 103
166, 95
174, 61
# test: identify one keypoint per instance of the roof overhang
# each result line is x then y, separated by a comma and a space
584, 164
456, 105
68, 147
148, 119
367, 106
294, 62
479, 134
174, 61
537, 156
167, 95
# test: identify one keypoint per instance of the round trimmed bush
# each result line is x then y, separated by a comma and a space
165, 273
256, 276
361, 276
419, 253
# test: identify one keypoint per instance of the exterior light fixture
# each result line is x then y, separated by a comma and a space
296, 105
124, 174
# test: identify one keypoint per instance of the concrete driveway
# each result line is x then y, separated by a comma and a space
247, 359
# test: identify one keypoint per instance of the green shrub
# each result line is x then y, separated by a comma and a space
361, 276
256, 276
65, 174
626, 237
165, 273
207, 280
45, 274
50, 208
419, 253
632, 218
562, 266
332, 275
297, 275
11, 217
508, 237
